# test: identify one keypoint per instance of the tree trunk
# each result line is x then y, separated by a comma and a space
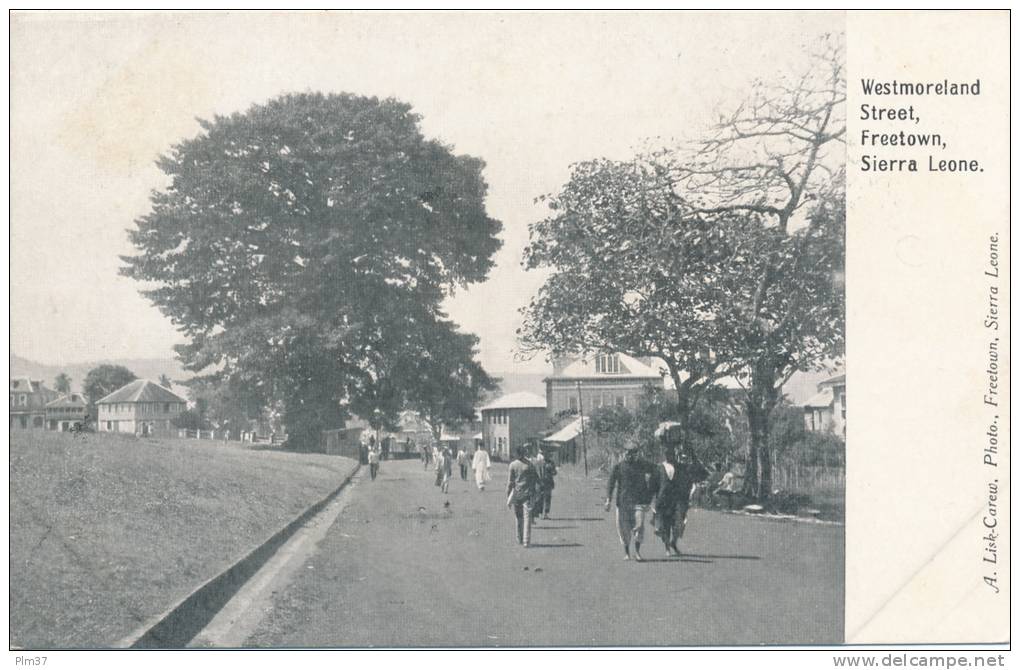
683, 403
683, 414
762, 400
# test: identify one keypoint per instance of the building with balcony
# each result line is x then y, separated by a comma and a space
140, 408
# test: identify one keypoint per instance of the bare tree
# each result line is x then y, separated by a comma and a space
777, 161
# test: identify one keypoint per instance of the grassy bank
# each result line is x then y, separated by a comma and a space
108, 531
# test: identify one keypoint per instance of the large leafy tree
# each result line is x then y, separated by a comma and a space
102, 381
633, 270
445, 384
798, 320
775, 167
297, 243
225, 403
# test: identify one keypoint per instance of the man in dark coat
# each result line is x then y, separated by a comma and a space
676, 477
522, 483
546, 469
632, 478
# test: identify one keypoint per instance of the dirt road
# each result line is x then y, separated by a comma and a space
400, 568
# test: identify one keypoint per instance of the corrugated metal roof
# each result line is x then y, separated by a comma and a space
822, 399
521, 400
73, 400
142, 390
567, 433
834, 381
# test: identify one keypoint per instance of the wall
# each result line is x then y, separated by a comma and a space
560, 393
492, 432
525, 424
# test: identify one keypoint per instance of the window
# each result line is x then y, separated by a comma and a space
621, 401
607, 364
166, 408
23, 400
109, 425
842, 405
572, 403
24, 421
37, 422
596, 402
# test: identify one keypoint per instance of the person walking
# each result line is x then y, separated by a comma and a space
538, 462
446, 469
426, 456
373, 462
463, 461
546, 483
437, 456
676, 479
480, 463
522, 483
632, 479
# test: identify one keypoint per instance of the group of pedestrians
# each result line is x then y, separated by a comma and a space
479, 463
659, 494
530, 483
663, 490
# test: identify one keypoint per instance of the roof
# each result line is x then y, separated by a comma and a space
520, 400
630, 368
72, 400
25, 385
567, 433
837, 380
141, 390
822, 399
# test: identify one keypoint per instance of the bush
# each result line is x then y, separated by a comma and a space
189, 419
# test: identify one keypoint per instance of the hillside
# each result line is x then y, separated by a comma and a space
144, 368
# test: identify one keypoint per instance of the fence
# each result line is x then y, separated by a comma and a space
342, 442
811, 480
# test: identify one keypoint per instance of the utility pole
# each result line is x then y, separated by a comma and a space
584, 443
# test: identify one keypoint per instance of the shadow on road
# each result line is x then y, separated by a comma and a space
540, 545
580, 518
742, 558
536, 527
674, 560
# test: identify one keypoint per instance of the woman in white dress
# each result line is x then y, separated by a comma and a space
481, 464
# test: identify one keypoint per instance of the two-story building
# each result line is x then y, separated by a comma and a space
511, 421
826, 411
141, 408
581, 385
28, 403
66, 412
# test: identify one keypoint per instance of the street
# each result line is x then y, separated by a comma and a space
397, 568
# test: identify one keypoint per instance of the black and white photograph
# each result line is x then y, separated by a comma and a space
353, 329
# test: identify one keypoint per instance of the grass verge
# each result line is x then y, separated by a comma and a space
108, 531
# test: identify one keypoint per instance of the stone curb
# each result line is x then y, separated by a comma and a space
176, 626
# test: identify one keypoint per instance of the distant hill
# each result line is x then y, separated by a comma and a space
144, 368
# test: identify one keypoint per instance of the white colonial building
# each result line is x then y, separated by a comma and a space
141, 408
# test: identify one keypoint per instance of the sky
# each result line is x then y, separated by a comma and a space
95, 98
